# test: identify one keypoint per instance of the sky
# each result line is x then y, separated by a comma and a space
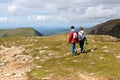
57, 13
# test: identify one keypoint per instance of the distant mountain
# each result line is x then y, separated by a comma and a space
27, 32
111, 27
52, 31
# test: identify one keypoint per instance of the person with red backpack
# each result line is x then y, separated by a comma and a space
73, 39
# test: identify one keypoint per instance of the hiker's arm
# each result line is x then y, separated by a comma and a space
85, 38
70, 37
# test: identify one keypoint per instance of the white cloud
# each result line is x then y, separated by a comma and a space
12, 8
38, 18
3, 19
99, 12
61, 11
48, 19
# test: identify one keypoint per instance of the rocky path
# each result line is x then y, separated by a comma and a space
13, 63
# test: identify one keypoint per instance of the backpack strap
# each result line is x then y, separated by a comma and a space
74, 35
81, 36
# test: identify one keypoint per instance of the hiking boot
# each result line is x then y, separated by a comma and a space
83, 51
75, 53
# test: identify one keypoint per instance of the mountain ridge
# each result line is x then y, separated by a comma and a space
27, 32
110, 27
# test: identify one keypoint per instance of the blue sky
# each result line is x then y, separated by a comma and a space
57, 13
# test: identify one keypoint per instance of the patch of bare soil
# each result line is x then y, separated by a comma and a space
13, 64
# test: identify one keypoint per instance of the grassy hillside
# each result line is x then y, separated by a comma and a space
53, 59
19, 32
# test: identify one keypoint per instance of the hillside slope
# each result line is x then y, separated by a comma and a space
19, 32
50, 58
111, 27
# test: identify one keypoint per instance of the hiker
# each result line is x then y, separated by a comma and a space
81, 39
73, 39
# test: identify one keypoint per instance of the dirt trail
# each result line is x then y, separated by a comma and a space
13, 63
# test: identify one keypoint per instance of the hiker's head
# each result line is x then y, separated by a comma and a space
72, 27
81, 28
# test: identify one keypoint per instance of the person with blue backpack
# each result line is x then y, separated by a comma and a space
73, 39
81, 39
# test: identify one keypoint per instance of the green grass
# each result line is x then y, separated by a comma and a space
27, 32
62, 64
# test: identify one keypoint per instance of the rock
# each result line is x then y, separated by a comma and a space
26, 59
92, 50
23, 58
2, 47
90, 74
104, 47
75, 61
67, 59
118, 56
101, 57
46, 78
37, 58
19, 74
2, 63
58, 63
7, 74
106, 51
38, 67
92, 40
92, 63
42, 51
47, 70
51, 54
46, 47
67, 54
29, 70
42, 60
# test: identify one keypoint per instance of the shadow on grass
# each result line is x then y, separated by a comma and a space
90, 50
87, 51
